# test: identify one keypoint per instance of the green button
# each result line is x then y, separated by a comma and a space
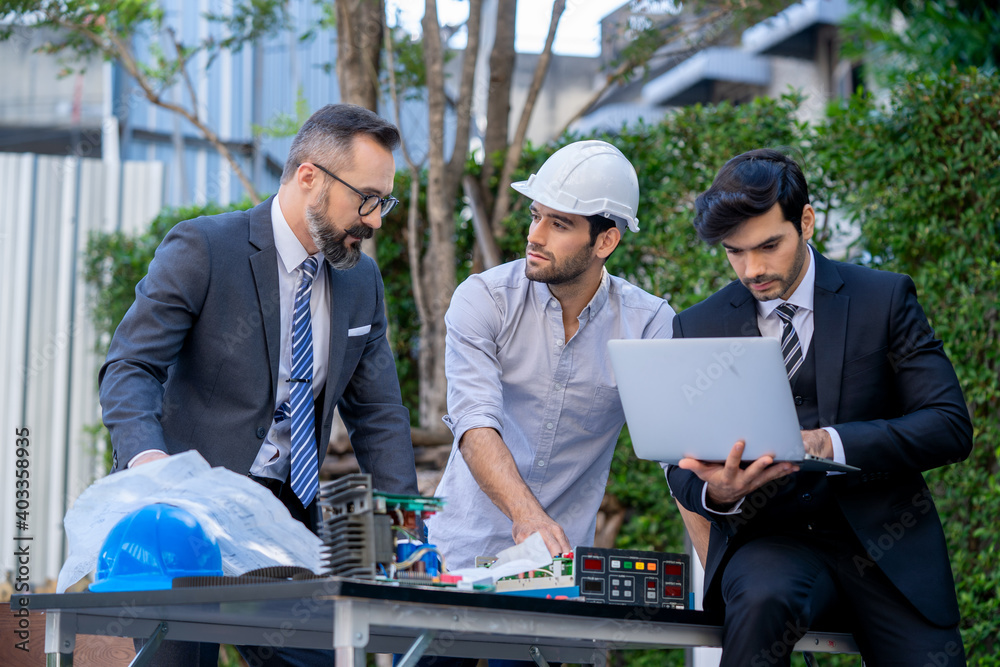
628, 565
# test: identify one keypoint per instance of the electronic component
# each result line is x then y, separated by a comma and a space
368, 534
555, 580
640, 578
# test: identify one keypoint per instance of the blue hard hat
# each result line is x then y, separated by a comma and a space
152, 546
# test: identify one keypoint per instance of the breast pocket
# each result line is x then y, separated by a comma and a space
605, 411
872, 361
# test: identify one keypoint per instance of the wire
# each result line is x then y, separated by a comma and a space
408, 534
416, 556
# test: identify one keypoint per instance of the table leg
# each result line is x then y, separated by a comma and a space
148, 650
60, 638
350, 633
416, 651
536, 655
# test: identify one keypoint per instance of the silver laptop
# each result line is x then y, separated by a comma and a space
695, 397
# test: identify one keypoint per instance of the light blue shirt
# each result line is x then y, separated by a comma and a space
555, 403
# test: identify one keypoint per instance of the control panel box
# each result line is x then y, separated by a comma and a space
637, 578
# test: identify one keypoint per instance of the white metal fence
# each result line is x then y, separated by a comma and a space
48, 363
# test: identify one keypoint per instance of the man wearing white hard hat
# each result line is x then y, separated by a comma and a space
532, 401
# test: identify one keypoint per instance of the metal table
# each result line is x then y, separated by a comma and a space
355, 617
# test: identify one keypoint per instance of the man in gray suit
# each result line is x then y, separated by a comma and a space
252, 326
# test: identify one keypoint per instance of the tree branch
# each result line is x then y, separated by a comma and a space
116, 49
413, 245
463, 111
513, 157
480, 221
182, 67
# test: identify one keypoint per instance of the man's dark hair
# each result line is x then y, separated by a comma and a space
747, 186
328, 137
598, 224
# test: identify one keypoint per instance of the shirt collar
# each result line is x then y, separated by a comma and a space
600, 296
291, 253
545, 297
803, 296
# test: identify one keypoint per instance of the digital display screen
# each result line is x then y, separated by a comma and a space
673, 568
593, 586
593, 564
670, 591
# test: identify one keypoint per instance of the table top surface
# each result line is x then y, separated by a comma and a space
288, 592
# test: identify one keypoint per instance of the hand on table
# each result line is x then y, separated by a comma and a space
551, 532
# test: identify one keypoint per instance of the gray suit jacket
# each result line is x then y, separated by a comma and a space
194, 363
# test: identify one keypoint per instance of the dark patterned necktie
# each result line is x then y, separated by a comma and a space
791, 348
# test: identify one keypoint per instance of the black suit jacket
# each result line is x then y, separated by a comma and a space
194, 363
887, 387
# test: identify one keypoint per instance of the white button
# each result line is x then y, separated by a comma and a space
558, 387
541, 464
559, 343
550, 426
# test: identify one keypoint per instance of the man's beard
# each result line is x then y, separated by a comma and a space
557, 274
330, 240
783, 283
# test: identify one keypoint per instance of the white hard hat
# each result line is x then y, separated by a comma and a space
587, 178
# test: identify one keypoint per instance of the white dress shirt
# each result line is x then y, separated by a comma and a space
274, 458
770, 326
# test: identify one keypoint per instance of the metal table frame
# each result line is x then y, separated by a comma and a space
355, 617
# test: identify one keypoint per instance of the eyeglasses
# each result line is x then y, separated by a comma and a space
368, 202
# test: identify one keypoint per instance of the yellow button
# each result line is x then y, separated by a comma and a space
640, 566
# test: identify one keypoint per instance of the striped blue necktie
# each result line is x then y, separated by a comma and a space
305, 467
791, 347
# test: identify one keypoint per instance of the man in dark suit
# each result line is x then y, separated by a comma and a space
791, 550
252, 326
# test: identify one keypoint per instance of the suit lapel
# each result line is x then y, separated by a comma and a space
338, 333
829, 337
264, 265
742, 319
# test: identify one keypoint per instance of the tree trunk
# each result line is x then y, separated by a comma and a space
498, 104
359, 49
513, 156
360, 24
443, 180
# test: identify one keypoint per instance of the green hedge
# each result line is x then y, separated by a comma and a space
922, 179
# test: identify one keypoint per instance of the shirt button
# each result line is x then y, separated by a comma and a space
559, 343
261, 431
541, 464
550, 425
558, 387
807, 497
799, 400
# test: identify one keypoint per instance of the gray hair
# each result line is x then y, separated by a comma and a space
328, 137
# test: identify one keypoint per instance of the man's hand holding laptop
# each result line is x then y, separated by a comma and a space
728, 482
